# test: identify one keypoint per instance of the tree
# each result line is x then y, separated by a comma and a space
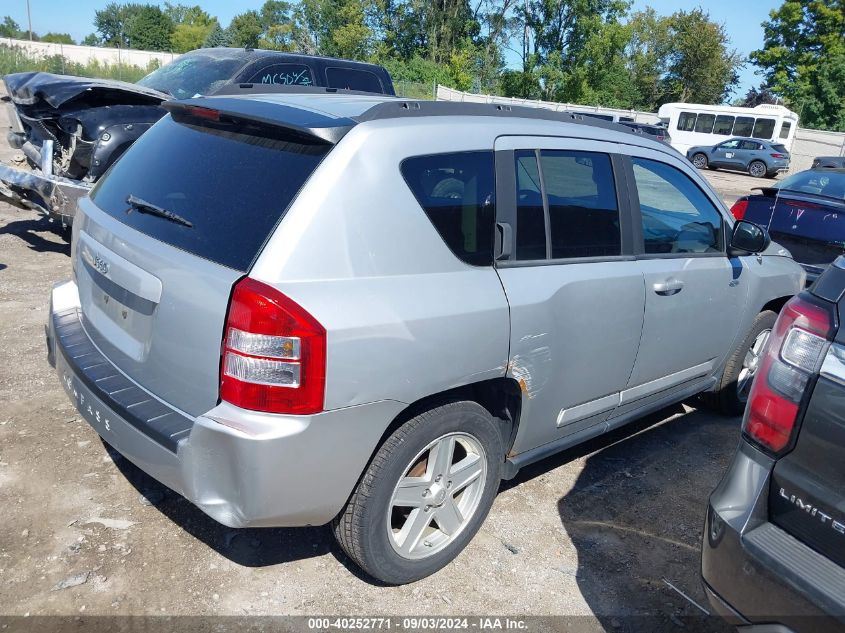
803, 46
10, 28
245, 30
646, 53
149, 29
701, 67
338, 28
91, 40
216, 37
756, 96
58, 38
192, 26
112, 23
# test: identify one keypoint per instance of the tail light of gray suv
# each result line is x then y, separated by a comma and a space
791, 361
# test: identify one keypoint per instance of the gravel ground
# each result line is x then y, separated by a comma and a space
595, 532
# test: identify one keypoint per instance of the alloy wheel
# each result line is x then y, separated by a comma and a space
437, 495
750, 365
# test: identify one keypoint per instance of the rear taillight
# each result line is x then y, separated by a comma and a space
778, 155
274, 353
739, 208
789, 361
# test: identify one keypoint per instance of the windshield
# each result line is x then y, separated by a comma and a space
194, 73
823, 183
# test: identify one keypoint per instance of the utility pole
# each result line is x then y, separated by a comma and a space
29, 19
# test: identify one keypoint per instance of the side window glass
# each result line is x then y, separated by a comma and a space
730, 145
724, 125
677, 217
283, 75
686, 121
704, 124
530, 218
583, 212
749, 145
744, 126
784, 129
764, 128
353, 79
457, 193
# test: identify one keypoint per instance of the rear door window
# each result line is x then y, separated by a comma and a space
457, 193
676, 215
530, 217
581, 194
283, 75
784, 129
232, 183
353, 79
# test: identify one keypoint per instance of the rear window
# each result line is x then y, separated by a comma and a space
353, 79
232, 186
457, 193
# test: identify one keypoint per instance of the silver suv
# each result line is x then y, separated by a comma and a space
310, 308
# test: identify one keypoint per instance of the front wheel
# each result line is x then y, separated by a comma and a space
699, 161
757, 169
424, 495
741, 367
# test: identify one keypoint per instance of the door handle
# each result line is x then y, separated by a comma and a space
668, 287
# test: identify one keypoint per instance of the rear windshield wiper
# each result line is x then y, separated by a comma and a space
142, 206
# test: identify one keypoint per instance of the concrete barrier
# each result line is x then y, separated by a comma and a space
84, 54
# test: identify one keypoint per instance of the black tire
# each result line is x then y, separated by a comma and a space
361, 528
699, 160
757, 169
725, 398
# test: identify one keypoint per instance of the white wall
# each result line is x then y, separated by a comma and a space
807, 144
84, 54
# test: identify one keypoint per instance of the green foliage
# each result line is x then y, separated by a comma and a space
802, 59
187, 37
701, 67
58, 38
149, 29
216, 37
245, 30
10, 28
91, 40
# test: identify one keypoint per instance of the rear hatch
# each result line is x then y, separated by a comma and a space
807, 495
168, 231
811, 227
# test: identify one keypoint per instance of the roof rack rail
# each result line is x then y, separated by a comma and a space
406, 109
259, 88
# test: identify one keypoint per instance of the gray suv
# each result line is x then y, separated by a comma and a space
310, 308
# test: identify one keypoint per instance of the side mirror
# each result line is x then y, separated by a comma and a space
748, 237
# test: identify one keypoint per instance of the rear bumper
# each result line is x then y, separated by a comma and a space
240, 467
756, 575
54, 196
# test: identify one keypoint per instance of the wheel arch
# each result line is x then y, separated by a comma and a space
501, 397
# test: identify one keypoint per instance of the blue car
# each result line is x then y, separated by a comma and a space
753, 156
804, 213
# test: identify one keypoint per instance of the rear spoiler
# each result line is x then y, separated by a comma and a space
769, 192
299, 123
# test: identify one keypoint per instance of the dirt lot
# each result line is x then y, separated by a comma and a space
596, 532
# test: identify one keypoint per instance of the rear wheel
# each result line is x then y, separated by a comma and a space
731, 395
699, 161
757, 169
424, 495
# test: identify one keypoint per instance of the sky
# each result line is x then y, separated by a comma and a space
742, 19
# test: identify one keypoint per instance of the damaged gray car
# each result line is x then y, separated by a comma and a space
70, 130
